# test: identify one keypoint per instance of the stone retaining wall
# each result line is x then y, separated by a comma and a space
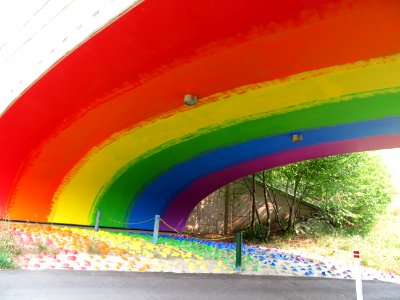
209, 215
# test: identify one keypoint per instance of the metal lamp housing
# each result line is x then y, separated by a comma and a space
190, 100
297, 137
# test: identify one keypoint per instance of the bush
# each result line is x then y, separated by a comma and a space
6, 261
9, 247
259, 234
351, 190
8, 243
366, 193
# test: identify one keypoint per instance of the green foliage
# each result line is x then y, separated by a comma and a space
40, 247
363, 195
6, 261
8, 247
258, 234
352, 190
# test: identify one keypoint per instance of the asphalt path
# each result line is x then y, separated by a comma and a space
76, 285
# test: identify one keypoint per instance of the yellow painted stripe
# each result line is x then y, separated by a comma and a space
249, 102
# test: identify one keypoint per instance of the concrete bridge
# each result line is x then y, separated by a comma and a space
93, 100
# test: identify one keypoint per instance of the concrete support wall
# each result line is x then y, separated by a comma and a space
208, 217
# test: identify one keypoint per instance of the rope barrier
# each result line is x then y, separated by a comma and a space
127, 223
164, 222
169, 226
192, 236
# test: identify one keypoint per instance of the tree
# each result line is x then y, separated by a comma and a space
352, 190
254, 210
362, 193
226, 207
298, 181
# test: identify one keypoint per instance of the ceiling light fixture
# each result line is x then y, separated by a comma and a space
297, 137
190, 100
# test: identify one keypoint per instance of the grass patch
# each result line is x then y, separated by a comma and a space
396, 212
8, 243
9, 247
40, 248
379, 249
93, 247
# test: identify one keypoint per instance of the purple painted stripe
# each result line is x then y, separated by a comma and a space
182, 205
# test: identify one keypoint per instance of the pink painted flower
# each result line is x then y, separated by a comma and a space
87, 263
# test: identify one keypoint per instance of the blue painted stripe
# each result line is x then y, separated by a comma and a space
157, 196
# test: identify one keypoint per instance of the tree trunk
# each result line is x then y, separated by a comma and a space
293, 207
226, 212
268, 229
253, 206
254, 198
272, 196
290, 204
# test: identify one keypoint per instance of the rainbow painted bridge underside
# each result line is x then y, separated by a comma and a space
106, 128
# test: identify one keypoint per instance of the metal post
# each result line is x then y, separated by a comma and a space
96, 227
239, 239
156, 227
357, 264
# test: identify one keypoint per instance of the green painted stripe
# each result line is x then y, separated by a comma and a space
121, 193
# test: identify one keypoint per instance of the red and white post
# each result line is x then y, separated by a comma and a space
357, 272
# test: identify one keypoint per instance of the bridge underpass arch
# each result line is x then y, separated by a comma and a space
106, 127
